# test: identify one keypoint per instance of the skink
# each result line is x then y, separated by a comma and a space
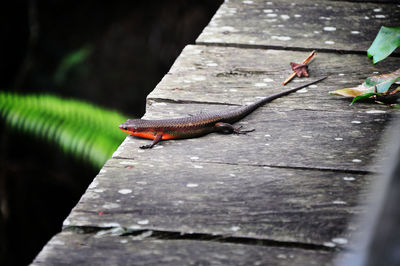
197, 125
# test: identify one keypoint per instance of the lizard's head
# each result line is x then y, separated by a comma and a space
139, 128
130, 126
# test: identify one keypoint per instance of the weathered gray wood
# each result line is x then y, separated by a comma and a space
294, 181
286, 138
187, 196
98, 249
377, 239
238, 76
299, 24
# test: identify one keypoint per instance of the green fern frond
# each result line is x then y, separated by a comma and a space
81, 129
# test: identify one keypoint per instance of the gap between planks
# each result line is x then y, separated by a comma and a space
173, 235
322, 169
285, 48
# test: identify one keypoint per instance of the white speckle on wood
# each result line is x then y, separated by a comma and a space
380, 16
313, 86
260, 84
285, 17
194, 158
268, 11
375, 112
123, 241
99, 190
212, 64
125, 162
228, 28
143, 222
134, 227
297, 15
339, 240
329, 28
329, 42
111, 205
304, 90
235, 228
281, 38
268, 80
124, 191
272, 15
366, 17
355, 32
110, 224
377, 9
348, 178
339, 202
339, 139
356, 122
329, 244
158, 104
141, 182
191, 185
198, 166
249, 2
356, 161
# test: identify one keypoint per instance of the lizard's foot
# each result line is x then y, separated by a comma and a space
239, 131
149, 146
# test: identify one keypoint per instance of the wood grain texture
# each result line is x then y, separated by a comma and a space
291, 205
99, 249
239, 76
301, 24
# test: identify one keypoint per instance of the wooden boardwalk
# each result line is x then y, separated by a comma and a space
284, 194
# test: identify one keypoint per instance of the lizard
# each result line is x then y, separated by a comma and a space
200, 124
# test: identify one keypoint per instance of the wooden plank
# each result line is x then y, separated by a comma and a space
377, 238
289, 205
319, 24
343, 141
96, 249
219, 75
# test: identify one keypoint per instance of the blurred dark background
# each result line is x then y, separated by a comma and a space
110, 53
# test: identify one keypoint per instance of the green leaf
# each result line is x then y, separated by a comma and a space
387, 40
380, 83
365, 96
87, 132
